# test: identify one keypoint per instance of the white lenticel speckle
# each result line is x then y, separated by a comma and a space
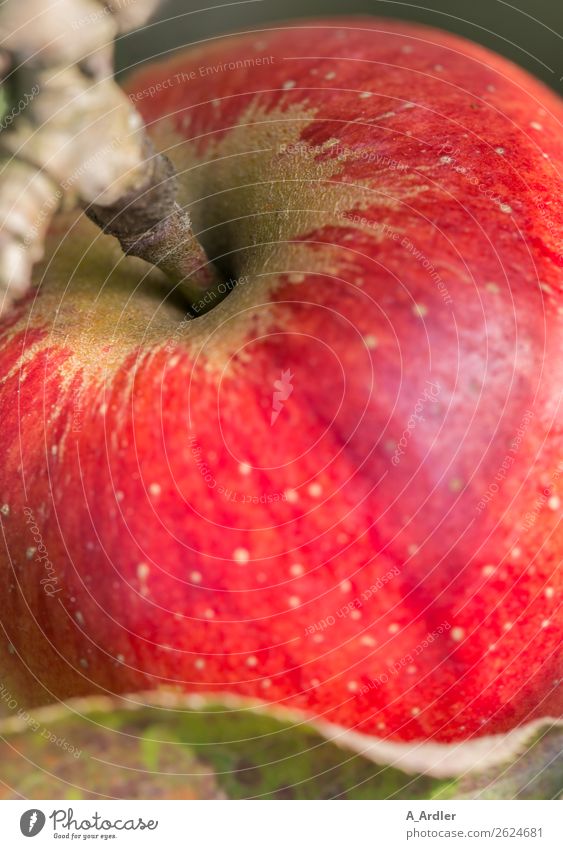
143, 571
315, 490
289, 84
241, 555
252, 660
457, 634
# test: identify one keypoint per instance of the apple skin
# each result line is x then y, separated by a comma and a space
191, 543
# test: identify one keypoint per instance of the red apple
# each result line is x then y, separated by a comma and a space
336, 492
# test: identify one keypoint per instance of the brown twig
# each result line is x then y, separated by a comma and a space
79, 140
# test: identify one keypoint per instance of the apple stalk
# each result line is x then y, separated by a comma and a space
150, 224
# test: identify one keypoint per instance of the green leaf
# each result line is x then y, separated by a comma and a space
99, 747
155, 752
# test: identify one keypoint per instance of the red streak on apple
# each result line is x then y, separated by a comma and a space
338, 491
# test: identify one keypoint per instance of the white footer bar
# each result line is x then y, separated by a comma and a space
282, 825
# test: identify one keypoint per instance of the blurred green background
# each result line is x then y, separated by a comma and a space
527, 31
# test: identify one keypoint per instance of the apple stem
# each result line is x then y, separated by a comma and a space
149, 223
